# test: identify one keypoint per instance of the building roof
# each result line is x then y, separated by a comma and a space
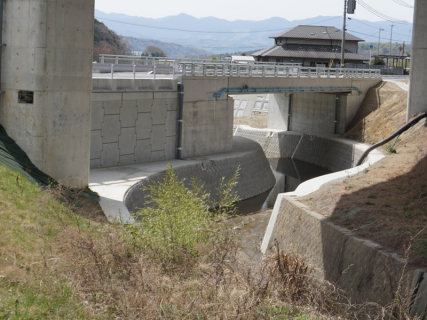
306, 53
315, 32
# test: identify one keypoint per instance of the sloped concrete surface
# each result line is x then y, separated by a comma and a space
115, 185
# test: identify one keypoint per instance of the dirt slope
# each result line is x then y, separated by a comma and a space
382, 112
388, 202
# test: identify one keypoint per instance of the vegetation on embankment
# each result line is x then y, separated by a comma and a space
54, 264
106, 41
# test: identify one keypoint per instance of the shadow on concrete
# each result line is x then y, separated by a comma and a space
389, 214
371, 103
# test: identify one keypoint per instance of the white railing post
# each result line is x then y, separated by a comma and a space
204, 69
329, 72
112, 71
193, 69
102, 59
117, 60
250, 71
309, 72
287, 72
134, 71
154, 72
299, 72
215, 69
173, 72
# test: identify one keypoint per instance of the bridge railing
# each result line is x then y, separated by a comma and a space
249, 70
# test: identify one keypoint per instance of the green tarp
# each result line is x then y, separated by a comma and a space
14, 158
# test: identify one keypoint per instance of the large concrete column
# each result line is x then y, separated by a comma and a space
278, 113
417, 101
49, 53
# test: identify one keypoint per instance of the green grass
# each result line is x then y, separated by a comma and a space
30, 219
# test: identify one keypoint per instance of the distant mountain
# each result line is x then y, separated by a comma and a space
241, 35
171, 49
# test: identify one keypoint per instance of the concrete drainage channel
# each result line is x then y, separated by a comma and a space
358, 266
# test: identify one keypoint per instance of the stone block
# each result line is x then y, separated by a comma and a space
142, 151
159, 110
144, 105
112, 107
111, 129
172, 104
127, 160
97, 116
95, 144
157, 156
143, 126
127, 141
128, 114
158, 138
171, 118
110, 155
170, 149
107, 96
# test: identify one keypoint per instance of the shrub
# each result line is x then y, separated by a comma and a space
179, 219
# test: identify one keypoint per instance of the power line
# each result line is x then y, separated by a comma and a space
380, 14
375, 36
403, 3
197, 31
369, 25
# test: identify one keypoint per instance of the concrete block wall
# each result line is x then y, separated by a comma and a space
133, 127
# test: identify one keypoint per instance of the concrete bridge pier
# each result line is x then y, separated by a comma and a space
47, 79
418, 80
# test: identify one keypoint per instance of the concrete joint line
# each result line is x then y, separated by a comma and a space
293, 155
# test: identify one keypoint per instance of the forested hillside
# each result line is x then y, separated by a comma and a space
108, 42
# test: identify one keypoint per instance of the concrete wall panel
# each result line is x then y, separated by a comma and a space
143, 151
96, 144
170, 150
110, 155
144, 105
158, 137
127, 160
143, 126
157, 156
112, 106
111, 129
158, 113
97, 116
127, 141
128, 114
171, 126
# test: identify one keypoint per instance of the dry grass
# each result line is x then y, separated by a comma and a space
55, 264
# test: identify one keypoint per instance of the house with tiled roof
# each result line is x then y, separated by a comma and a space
311, 46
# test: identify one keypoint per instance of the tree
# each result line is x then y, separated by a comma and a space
378, 62
153, 51
243, 54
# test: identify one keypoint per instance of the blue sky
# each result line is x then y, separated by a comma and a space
253, 9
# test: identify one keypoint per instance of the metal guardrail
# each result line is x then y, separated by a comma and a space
142, 60
239, 70
236, 70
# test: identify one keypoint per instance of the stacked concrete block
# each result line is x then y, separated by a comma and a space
133, 127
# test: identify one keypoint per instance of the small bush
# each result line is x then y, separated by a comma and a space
179, 219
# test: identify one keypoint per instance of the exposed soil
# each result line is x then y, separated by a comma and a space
388, 202
259, 122
91, 210
382, 112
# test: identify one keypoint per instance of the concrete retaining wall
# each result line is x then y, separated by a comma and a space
358, 266
328, 152
133, 127
255, 175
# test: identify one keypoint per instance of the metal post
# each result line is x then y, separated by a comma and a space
112, 71
102, 57
154, 72
180, 114
173, 72
391, 38
134, 72
343, 35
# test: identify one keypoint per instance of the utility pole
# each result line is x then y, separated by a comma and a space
391, 37
379, 41
343, 34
